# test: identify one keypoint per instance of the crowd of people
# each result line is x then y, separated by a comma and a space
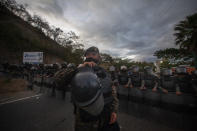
177, 87
179, 82
132, 84
167, 82
96, 92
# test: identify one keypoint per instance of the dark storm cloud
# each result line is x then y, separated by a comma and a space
53, 7
125, 28
44, 6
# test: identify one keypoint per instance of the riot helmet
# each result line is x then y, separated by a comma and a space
148, 69
87, 91
123, 68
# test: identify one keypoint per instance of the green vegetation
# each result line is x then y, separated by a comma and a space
18, 36
20, 32
186, 38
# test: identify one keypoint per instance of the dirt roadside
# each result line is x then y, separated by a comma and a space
13, 88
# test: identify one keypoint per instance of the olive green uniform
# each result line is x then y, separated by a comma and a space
64, 77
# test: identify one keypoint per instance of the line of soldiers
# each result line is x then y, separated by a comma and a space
38, 74
138, 82
31, 70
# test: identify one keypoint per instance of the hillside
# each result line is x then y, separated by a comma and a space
17, 36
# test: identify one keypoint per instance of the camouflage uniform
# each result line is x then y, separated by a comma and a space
63, 78
98, 124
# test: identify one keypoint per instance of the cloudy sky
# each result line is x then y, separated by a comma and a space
132, 29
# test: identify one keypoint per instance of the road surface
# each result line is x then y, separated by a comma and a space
39, 112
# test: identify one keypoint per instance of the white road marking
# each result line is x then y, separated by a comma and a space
6, 99
8, 102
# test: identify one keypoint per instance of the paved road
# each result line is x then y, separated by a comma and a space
37, 114
141, 117
42, 113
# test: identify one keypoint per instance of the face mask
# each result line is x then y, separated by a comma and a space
91, 60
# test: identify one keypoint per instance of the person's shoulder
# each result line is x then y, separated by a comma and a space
64, 71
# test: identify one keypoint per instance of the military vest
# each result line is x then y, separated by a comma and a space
123, 78
136, 79
168, 82
183, 82
149, 81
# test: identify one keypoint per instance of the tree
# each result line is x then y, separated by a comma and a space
172, 53
186, 35
77, 56
38, 22
10, 4
56, 32
106, 58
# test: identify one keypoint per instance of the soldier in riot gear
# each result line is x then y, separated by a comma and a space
183, 80
136, 84
123, 80
151, 82
150, 79
114, 75
31, 77
123, 77
108, 115
93, 94
167, 81
194, 81
136, 78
